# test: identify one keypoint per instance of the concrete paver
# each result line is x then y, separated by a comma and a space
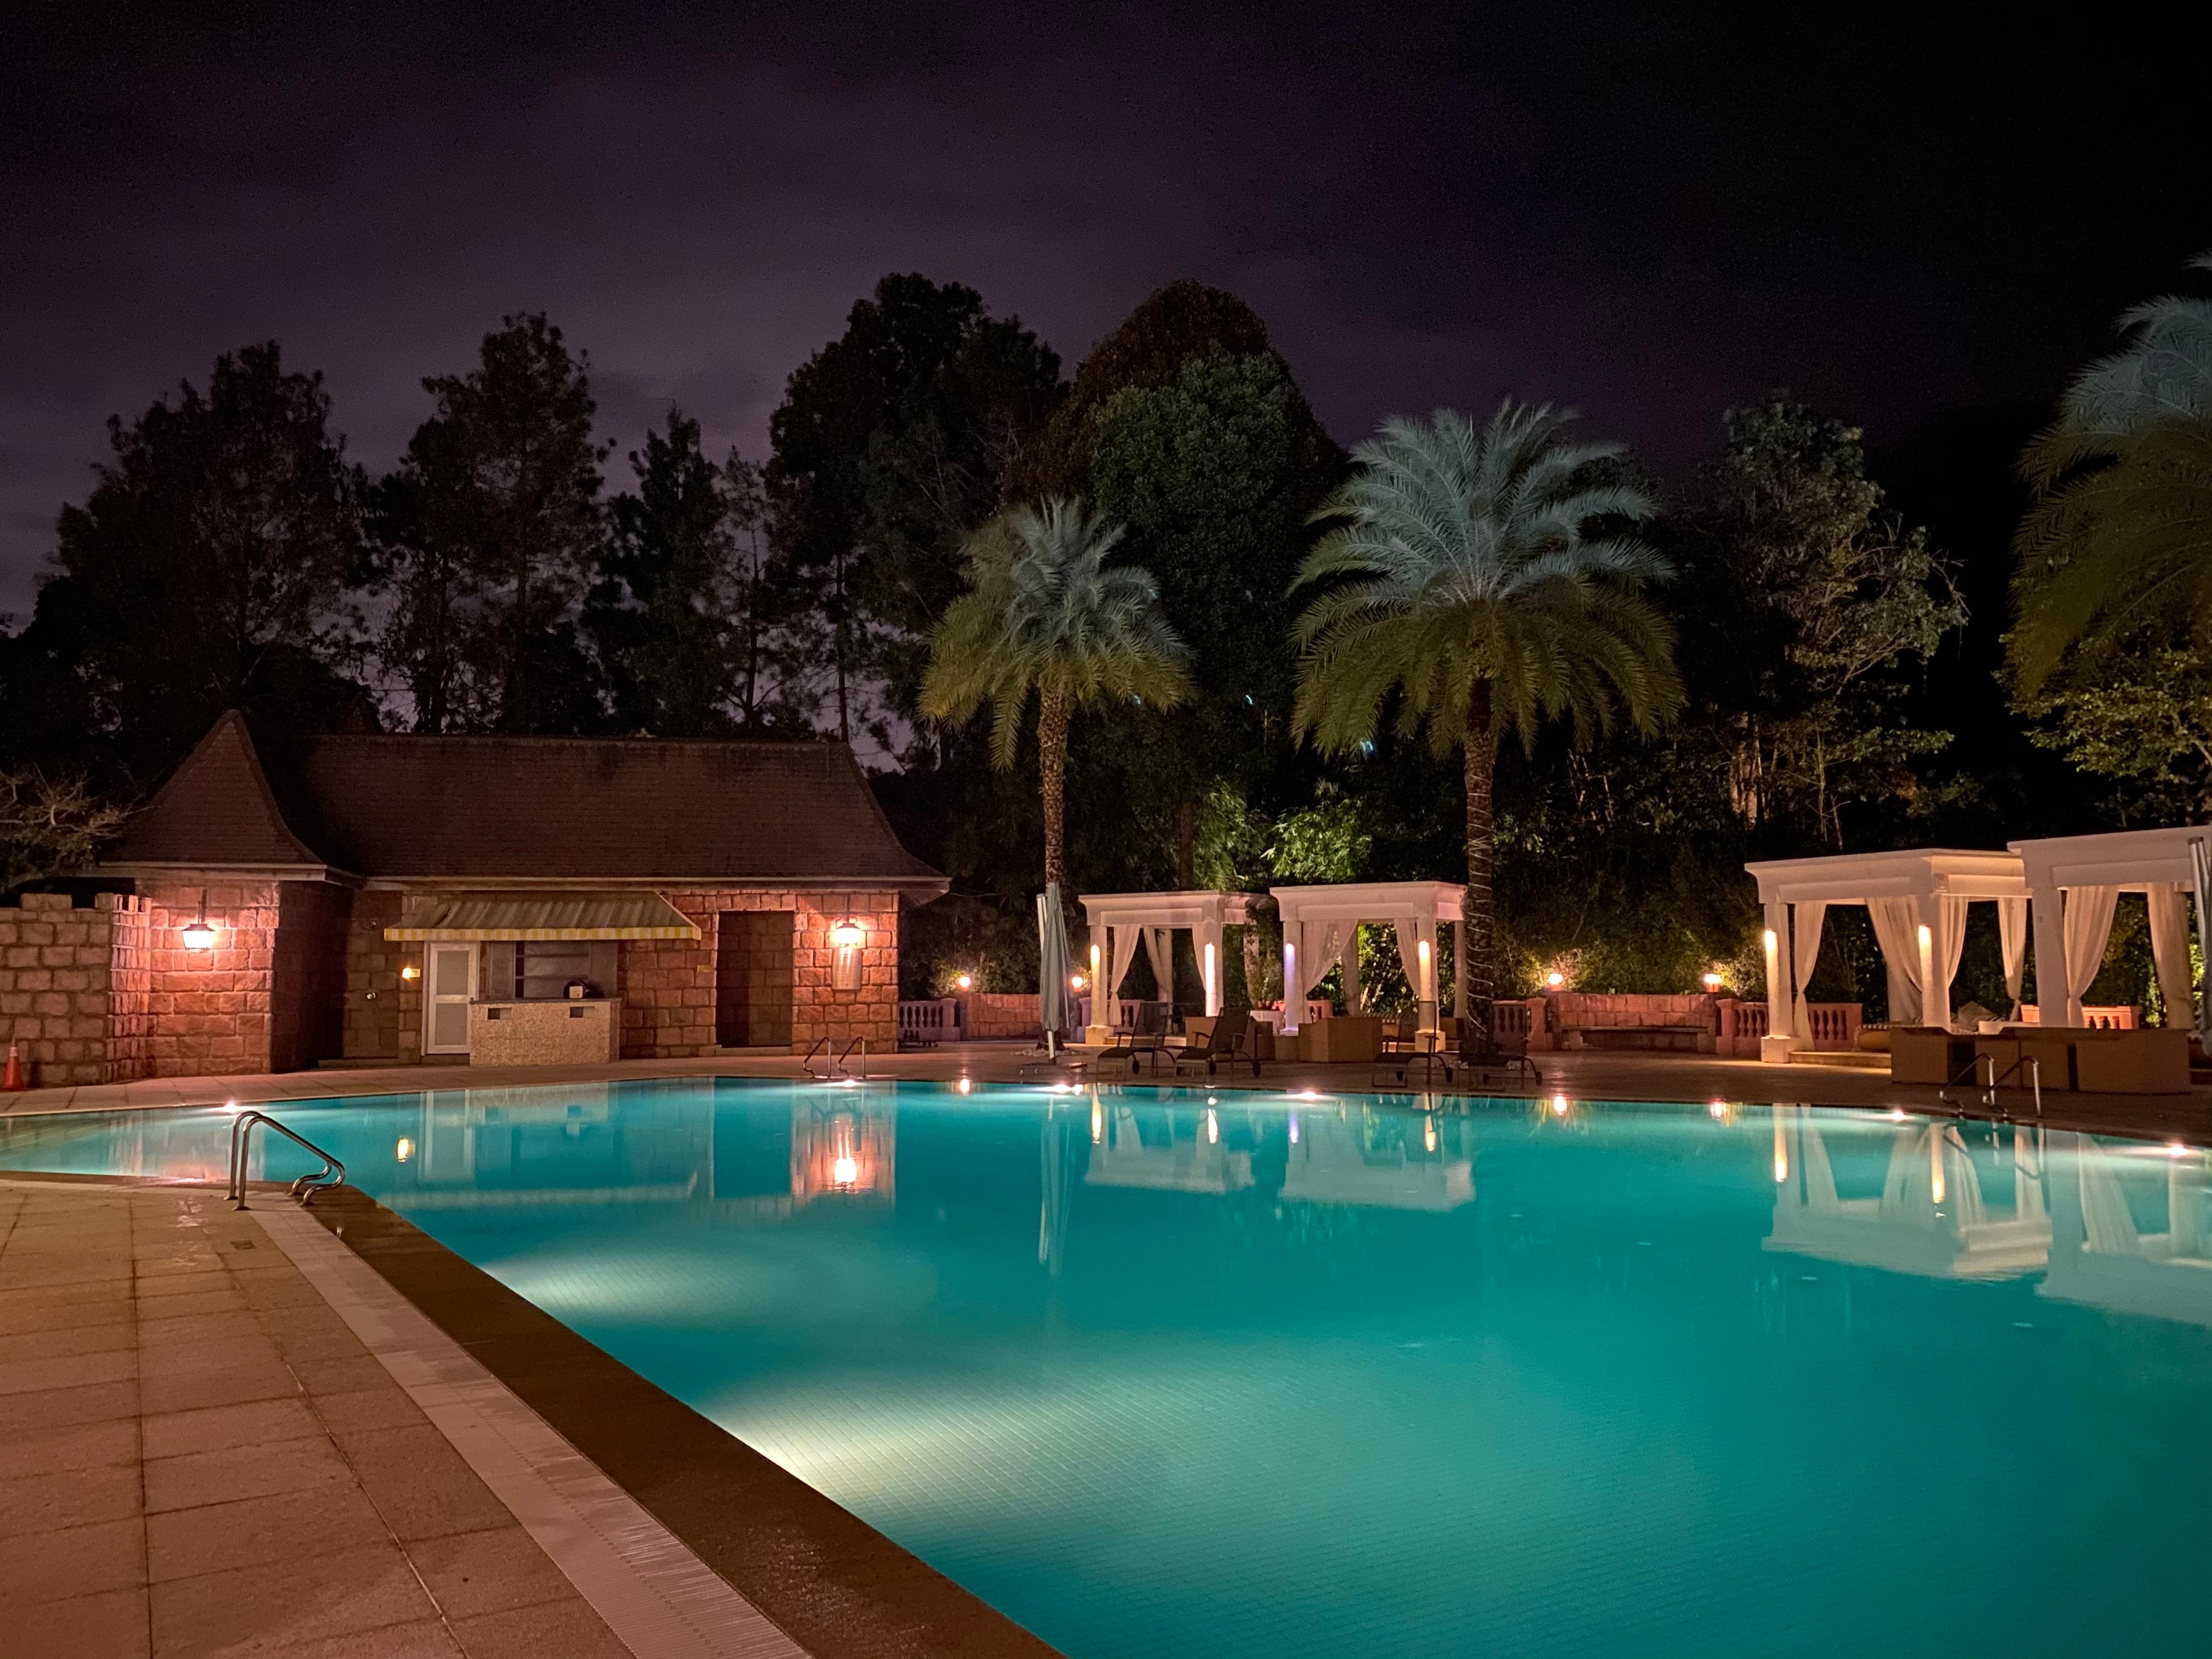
170, 1487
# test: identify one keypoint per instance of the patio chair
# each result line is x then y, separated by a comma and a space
1482, 1053
1231, 1039
1148, 1036
1409, 1043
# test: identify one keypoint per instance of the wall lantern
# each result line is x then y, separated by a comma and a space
199, 933
1075, 981
845, 963
964, 981
1555, 979
1713, 983
410, 973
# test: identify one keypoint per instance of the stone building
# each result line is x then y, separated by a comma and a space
374, 899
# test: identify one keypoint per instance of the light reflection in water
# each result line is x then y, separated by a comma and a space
1144, 1325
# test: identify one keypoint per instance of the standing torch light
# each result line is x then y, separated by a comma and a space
845, 940
199, 933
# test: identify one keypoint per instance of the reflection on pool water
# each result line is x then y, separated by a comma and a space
1158, 1373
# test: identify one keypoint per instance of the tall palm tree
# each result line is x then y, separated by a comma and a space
2120, 534
1473, 574
1044, 616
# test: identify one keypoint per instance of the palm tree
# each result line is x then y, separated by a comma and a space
1471, 575
2120, 534
1044, 615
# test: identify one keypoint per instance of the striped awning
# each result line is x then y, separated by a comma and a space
549, 916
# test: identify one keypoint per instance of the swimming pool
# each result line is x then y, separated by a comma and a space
1330, 1376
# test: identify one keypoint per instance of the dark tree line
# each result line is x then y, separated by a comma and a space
510, 573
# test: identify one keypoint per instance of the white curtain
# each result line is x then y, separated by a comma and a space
1897, 923
2169, 951
2012, 938
1318, 947
2089, 928
1897, 931
1806, 948
1950, 946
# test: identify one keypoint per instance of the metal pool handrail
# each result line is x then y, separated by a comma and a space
305, 1189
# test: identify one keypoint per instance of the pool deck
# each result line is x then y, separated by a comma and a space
1586, 1076
199, 1456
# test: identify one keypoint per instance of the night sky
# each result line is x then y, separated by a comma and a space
1647, 216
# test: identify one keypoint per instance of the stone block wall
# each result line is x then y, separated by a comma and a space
73, 988
212, 1010
667, 986
373, 985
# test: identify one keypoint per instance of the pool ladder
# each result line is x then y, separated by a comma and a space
241, 1143
1986, 1078
837, 1062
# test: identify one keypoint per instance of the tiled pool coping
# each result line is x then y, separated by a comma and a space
827, 1579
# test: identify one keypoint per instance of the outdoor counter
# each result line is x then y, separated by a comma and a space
545, 1032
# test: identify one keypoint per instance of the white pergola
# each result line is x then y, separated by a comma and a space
1917, 901
1318, 928
1146, 922
2077, 881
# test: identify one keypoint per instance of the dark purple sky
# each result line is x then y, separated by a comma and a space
1647, 216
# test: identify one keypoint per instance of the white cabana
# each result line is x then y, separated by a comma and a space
1917, 901
1124, 924
1318, 929
2077, 881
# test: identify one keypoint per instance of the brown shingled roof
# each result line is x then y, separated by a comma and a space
596, 809
216, 809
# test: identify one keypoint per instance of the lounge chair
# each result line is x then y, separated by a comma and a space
1230, 1040
1482, 1054
1148, 1036
1412, 1043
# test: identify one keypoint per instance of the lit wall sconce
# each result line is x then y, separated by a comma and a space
199, 933
845, 962
410, 973
1712, 982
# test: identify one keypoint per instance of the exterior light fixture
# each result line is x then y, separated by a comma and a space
1559, 1105
410, 973
403, 1149
1713, 983
964, 981
1075, 981
1716, 1110
966, 1085
1555, 979
845, 963
199, 933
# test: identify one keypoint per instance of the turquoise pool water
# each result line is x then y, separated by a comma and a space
1331, 1376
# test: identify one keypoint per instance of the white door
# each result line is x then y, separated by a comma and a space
451, 974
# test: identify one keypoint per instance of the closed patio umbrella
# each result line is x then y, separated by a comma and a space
1052, 965
2200, 870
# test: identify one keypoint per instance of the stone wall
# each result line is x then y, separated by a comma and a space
373, 984
74, 988
212, 1010
667, 986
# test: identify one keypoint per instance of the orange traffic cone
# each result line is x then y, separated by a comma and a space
15, 1082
